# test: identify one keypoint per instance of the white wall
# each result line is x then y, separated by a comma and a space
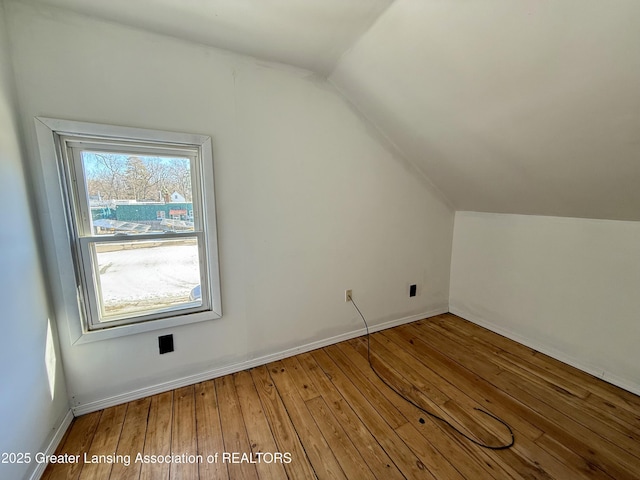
33, 397
309, 201
564, 286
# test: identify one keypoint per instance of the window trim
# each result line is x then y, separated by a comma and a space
59, 242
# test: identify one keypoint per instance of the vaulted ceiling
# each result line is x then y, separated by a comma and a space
311, 34
528, 106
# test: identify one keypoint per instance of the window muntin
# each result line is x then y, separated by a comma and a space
131, 265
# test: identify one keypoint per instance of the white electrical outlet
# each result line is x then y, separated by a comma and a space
347, 295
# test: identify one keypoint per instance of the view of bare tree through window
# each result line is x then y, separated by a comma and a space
144, 179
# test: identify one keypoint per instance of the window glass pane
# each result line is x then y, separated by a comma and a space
137, 194
139, 277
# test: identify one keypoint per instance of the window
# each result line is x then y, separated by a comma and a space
135, 265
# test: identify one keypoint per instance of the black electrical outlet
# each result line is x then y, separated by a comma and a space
165, 343
412, 290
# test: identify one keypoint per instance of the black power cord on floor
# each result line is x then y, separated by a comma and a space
431, 414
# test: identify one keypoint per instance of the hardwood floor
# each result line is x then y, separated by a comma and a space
333, 418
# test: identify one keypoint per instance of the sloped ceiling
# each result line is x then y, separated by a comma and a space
527, 106
311, 34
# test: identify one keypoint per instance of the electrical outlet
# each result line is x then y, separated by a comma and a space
413, 290
347, 295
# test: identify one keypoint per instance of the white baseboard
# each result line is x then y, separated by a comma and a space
53, 444
600, 373
237, 367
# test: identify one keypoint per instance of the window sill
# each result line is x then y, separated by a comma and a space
90, 336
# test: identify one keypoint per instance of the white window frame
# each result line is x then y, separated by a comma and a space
68, 248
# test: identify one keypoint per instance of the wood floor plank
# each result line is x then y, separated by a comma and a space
301, 379
105, 443
352, 463
549, 375
183, 434
283, 430
131, 440
602, 399
618, 396
560, 398
404, 458
597, 407
578, 465
259, 432
597, 404
617, 462
473, 464
620, 419
421, 386
496, 401
158, 438
613, 460
209, 432
475, 386
234, 432
370, 450
532, 457
322, 458
620, 436
77, 442
525, 460
437, 463
349, 361
386, 409
335, 418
